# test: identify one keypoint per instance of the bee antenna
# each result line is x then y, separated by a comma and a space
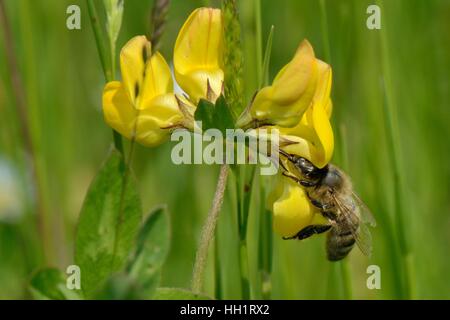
287, 155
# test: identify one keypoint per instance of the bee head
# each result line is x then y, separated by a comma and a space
305, 166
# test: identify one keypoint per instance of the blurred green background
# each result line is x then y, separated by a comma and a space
408, 74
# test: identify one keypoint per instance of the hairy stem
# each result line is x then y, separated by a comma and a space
208, 231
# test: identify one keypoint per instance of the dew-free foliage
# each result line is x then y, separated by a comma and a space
50, 284
108, 224
178, 294
151, 251
214, 116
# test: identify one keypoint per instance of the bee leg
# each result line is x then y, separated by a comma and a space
329, 215
286, 174
307, 184
304, 183
309, 231
318, 204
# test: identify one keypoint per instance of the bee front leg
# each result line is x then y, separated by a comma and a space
304, 183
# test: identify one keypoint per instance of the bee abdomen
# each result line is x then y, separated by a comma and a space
339, 244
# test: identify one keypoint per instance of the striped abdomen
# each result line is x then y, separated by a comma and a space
341, 239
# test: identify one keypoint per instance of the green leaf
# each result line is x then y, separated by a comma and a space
205, 114
223, 119
216, 116
50, 284
108, 224
114, 13
264, 81
178, 294
119, 287
151, 252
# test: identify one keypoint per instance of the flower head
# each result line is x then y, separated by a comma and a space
312, 138
197, 55
143, 106
284, 102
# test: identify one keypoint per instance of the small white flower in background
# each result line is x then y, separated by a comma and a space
10, 204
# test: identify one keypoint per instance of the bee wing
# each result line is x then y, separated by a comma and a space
365, 213
362, 234
364, 240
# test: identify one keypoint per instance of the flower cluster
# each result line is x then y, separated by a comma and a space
297, 103
144, 106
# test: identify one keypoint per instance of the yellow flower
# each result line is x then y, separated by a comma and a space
197, 55
291, 208
142, 106
313, 135
284, 102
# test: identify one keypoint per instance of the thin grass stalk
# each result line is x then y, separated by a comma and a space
19, 96
344, 268
159, 16
105, 58
266, 62
345, 264
393, 136
325, 36
243, 256
265, 217
265, 245
258, 40
217, 270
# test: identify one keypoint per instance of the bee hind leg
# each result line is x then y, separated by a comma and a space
309, 231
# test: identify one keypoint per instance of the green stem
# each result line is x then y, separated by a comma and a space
325, 36
390, 113
107, 61
345, 266
242, 215
266, 62
258, 39
19, 96
264, 244
217, 270
208, 231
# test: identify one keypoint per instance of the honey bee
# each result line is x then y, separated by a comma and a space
330, 190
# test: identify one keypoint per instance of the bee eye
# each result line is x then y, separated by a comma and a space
306, 166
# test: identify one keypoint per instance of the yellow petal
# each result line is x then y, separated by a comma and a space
324, 81
314, 136
145, 75
133, 58
150, 126
157, 80
198, 53
329, 108
118, 112
291, 208
292, 91
157, 120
